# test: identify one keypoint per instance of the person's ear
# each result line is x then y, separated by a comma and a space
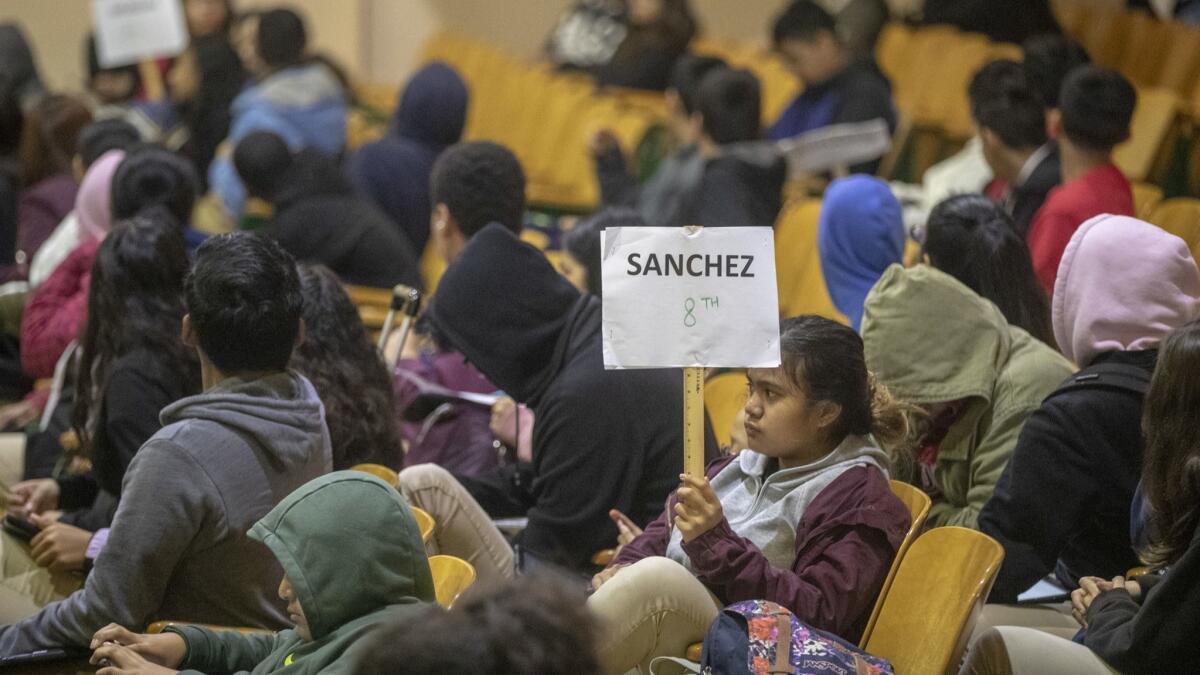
187, 332
828, 413
1054, 123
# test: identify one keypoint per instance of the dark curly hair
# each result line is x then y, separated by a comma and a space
535, 625
348, 374
480, 182
135, 301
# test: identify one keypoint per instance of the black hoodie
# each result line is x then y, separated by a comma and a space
603, 439
318, 218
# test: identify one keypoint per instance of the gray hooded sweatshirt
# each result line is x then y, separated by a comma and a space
178, 547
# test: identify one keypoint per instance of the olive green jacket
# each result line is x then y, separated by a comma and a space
930, 339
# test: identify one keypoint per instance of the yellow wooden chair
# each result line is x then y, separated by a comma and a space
380, 471
798, 264
372, 304
1180, 217
724, 396
918, 504
1152, 132
1145, 198
451, 577
935, 598
425, 522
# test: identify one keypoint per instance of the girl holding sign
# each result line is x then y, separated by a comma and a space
804, 517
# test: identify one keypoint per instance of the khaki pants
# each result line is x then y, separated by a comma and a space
654, 607
25, 587
12, 460
1053, 618
1016, 650
461, 527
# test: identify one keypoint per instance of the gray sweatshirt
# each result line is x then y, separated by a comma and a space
178, 548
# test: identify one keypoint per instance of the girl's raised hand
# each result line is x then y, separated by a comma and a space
697, 509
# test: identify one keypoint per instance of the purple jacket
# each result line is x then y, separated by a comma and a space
845, 544
456, 436
39, 211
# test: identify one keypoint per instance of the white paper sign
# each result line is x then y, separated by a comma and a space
681, 296
128, 31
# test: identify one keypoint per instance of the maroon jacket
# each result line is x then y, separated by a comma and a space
845, 544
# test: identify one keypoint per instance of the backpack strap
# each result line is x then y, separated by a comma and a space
1113, 376
783, 643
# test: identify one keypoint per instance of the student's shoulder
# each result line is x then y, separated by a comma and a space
861, 495
1033, 371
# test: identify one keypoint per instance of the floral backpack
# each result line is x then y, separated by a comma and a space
757, 637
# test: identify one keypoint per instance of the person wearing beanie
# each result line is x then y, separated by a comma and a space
1096, 107
318, 218
394, 171
299, 98
859, 235
1062, 506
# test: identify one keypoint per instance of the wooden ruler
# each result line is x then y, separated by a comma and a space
693, 421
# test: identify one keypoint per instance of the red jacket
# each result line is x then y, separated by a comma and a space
57, 312
1101, 190
845, 543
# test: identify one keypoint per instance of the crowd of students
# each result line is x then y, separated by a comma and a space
1024, 356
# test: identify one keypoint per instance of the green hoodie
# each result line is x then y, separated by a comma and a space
930, 339
352, 550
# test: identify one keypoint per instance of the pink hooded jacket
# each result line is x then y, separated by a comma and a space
1122, 285
57, 311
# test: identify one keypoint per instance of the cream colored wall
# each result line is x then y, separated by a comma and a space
377, 40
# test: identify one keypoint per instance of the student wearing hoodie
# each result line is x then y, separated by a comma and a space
1063, 503
178, 548
604, 439
319, 219
937, 345
332, 610
302, 100
394, 171
804, 517
859, 235
1096, 108
839, 86
1144, 625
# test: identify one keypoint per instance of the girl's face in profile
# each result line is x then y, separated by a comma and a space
782, 422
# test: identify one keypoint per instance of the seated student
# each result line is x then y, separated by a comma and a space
804, 517
1063, 503
742, 185
1011, 120
938, 345
970, 238
319, 219
332, 610
534, 625
340, 360
147, 177
838, 86
300, 99
1014, 21
860, 233
132, 366
662, 198
117, 93
203, 82
1096, 108
1146, 625
604, 438
581, 247
48, 187
177, 548
656, 35
92, 215
393, 172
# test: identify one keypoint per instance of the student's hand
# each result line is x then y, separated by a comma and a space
602, 142
59, 547
163, 649
627, 530
503, 422
33, 496
606, 574
118, 660
1089, 589
697, 509
1131, 586
18, 415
